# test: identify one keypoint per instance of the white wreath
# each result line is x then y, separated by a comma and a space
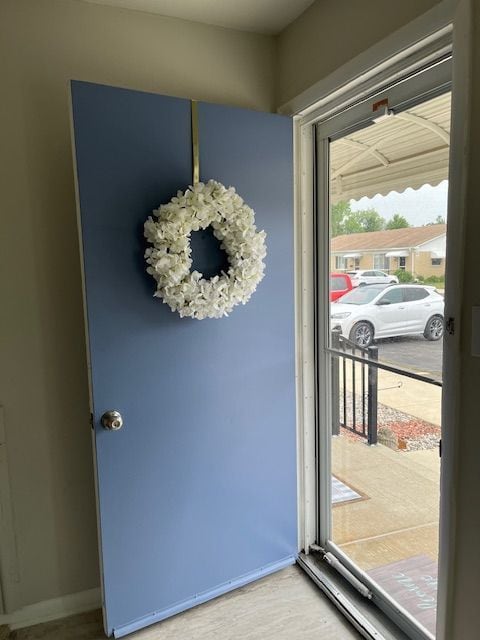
233, 223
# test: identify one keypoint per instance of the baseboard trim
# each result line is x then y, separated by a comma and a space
48, 610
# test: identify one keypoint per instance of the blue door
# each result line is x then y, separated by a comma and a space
197, 491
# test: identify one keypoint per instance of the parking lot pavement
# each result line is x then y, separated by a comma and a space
414, 353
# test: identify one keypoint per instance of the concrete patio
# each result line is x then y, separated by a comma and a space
395, 524
398, 517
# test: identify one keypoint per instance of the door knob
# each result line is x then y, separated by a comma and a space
112, 420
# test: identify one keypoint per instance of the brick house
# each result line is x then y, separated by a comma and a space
419, 250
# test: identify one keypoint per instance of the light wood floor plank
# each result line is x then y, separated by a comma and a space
283, 606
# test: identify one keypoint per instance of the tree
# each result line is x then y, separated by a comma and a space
438, 220
345, 221
371, 220
339, 212
352, 223
397, 222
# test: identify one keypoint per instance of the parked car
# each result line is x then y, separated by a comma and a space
340, 283
384, 311
362, 277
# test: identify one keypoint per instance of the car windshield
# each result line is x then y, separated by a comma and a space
361, 295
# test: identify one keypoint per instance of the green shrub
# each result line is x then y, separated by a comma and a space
404, 276
420, 278
435, 280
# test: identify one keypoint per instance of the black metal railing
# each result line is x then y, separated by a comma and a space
354, 408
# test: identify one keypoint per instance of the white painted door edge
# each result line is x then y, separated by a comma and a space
305, 336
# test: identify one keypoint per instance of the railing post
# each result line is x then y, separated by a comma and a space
372, 396
335, 385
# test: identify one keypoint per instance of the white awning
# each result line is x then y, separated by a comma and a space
397, 254
437, 254
352, 255
409, 149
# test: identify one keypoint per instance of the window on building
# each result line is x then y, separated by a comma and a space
436, 262
340, 262
380, 261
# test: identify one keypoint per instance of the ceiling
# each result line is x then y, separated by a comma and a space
409, 149
260, 16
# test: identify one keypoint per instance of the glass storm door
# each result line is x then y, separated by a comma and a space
197, 490
384, 167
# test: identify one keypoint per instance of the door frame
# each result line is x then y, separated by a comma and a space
434, 81
411, 48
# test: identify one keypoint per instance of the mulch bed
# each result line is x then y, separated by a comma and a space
410, 436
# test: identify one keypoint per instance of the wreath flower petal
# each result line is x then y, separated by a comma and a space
169, 259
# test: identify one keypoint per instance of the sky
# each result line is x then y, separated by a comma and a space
417, 206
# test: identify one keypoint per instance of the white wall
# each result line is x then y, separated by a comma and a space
43, 382
437, 245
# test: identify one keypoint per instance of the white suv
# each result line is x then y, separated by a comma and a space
383, 311
371, 277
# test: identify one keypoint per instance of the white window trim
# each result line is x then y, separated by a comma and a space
385, 261
413, 44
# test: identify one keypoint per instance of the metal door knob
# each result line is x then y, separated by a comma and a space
112, 420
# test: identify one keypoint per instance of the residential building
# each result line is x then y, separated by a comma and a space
418, 250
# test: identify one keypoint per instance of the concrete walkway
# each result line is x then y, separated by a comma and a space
418, 399
401, 491
397, 518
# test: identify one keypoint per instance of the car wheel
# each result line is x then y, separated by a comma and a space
361, 284
362, 334
434, 328
393, 282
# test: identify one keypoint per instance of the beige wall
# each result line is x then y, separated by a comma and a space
332, 32
366, 262
423, 265
43, 383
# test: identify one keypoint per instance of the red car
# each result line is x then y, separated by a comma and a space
340, 283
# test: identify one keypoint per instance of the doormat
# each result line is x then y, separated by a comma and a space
413, 584
341, 492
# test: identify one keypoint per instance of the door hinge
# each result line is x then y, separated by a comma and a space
440, 448
450, 326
